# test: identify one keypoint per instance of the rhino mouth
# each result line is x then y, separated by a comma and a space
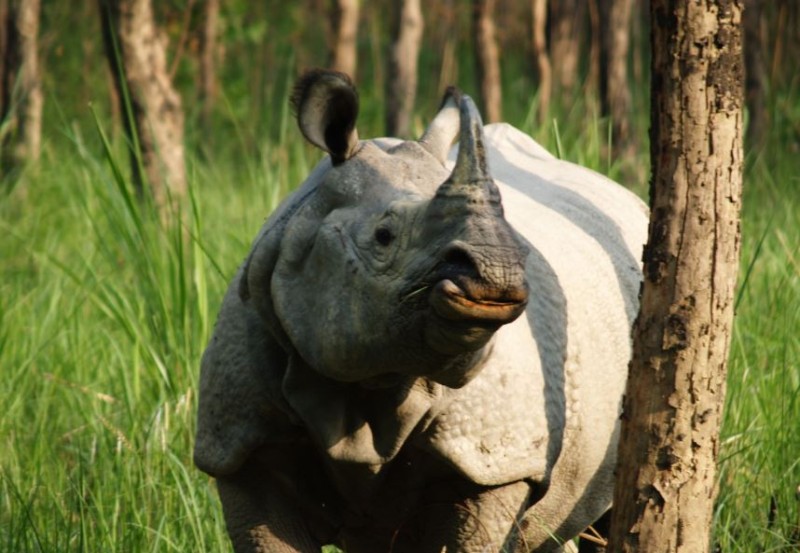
467, 313
463, 299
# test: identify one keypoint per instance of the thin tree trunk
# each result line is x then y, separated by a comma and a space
665, 489
615, 94
22, 100
446, 32
345, 24
564, 23
778, 40
487, 55
641, 51
543, 69
448, 72
4, 58
794, 32
783, 39
151, 108
402, 82
595, 32
755, 74
208, 63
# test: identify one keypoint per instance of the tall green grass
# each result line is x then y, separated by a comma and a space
105, 310
759, 504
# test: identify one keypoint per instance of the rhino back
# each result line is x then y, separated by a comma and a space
560, 371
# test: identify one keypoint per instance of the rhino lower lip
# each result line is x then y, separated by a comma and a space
451, 302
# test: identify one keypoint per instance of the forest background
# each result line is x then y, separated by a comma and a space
105, 307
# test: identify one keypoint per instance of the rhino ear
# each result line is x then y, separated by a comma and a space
326, 104
444, 128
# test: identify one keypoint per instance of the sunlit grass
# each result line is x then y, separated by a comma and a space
758, 507
104, 312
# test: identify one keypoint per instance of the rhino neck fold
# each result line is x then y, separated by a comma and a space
359, 431
356, 425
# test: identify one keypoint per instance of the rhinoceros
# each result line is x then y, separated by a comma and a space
407, 363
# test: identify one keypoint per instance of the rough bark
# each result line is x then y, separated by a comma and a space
208, 63
669, 441
401, 86
344, 54
543, 69
487, 55
564, 23
151, 108
755, 74
21, 99
615, 94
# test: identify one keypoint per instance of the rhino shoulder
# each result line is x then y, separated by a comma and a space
240, 406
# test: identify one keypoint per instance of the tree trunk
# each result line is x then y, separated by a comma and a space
539, 43
783, 22
615, 95
564, 22
641, 51
4, 28
208, 64
5, 54
592, 77
151, 108
665, 489
345, 24
402, 82
21, 99
488, 57
755, 75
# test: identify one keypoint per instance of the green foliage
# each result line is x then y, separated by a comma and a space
105, 312
758, 507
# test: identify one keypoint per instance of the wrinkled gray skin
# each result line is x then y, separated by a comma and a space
371, 381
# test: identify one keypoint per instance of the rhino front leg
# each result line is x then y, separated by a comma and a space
259, 518
482, 522
579, 495
454, 516
488, 522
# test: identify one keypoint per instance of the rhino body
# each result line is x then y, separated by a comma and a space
335, 409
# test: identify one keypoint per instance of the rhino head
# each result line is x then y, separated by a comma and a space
387, 265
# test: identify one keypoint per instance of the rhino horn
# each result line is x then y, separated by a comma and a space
470, 179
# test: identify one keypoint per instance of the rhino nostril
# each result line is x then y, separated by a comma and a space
459, 261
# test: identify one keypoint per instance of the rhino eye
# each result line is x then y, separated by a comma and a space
384, 236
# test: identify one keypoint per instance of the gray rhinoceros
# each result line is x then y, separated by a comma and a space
372, 381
